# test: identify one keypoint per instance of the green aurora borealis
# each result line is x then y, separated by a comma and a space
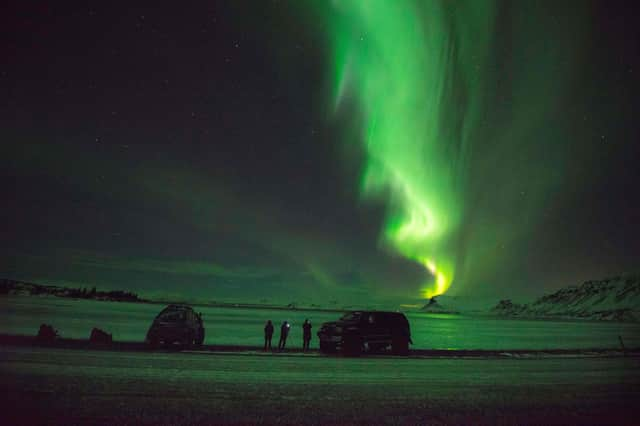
457, 137
400, 61
330, 152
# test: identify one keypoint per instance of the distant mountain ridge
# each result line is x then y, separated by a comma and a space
615, 299
14, 287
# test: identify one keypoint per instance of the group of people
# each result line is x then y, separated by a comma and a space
284, 333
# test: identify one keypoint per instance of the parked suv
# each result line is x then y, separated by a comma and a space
176, 324
370, 331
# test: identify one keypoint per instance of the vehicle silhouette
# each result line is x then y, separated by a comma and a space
366, 331
176, 324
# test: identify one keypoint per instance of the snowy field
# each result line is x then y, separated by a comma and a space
23, 315
58, 386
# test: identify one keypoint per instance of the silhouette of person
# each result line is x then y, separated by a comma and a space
306, 335
268, 333
284, 333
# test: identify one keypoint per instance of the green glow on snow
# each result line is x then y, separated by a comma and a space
397, 58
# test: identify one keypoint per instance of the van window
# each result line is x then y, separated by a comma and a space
351, 316
172, 316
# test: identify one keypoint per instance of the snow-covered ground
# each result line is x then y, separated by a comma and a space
58, 386
22, 315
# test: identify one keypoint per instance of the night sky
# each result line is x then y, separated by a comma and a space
318, 151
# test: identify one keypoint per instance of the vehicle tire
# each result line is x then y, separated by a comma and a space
200, 338
352, 346
188, 341
376, 348
400, 346
154, 343
327, 347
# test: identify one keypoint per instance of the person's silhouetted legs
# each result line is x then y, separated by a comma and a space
306, 335
268, 333
284, 332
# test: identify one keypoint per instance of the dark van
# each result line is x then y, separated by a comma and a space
366, 331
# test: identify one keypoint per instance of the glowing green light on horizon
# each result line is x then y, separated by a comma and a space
396, 57
443, 279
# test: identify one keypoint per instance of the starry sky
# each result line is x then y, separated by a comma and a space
319, 151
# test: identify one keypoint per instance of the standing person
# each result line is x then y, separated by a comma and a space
306, 335
268, 333
284, 333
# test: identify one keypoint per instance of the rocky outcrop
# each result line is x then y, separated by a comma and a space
100, 337
507, 307
614, 299
47, 334
434, 307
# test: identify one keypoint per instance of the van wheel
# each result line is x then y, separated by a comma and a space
154, 343
188, 341
200, 339
352, 346
400, 346
375, 348
327, 347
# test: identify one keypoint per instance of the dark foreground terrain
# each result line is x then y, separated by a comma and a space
69, 386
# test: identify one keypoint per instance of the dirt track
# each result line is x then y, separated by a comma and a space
83, 344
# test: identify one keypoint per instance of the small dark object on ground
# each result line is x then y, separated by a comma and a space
47, 334
100, 337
